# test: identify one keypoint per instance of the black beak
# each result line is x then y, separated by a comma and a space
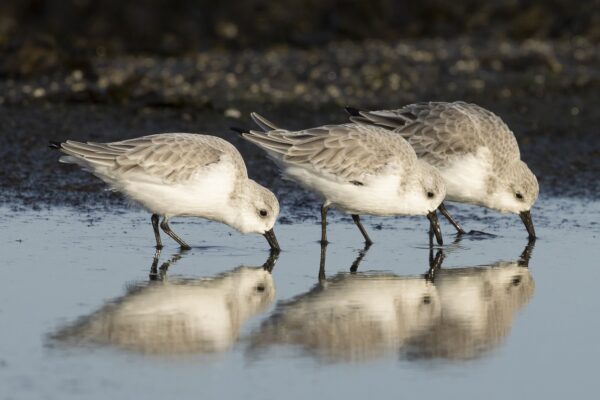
270, 236
434, 227
526, 218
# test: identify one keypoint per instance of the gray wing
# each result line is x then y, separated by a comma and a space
439, 131
348, 152
170, 157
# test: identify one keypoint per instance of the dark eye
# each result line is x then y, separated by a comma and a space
516, 280
260, 287
426, 300
430, 195
263, 213
519, 196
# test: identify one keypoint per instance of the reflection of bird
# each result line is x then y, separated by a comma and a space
358, 169
178, 316
352, 316
474, 150
181, 174
478, 305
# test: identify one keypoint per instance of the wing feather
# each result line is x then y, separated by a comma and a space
347, 152
170, 157
441, 131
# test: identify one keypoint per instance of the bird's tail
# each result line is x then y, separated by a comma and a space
359, 116
54, 145
354, 112
264, 123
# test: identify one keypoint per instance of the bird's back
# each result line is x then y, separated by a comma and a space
347, 152
167, 158
439, 132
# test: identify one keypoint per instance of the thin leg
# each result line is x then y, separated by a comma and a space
361, 255
160, 274
165, 266
154, 267
324, 209
435, 263
167, 229
449, 217
156, 231
322, 276
356, 219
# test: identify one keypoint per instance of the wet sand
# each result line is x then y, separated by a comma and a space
546, 91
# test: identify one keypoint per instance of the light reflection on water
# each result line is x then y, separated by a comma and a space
478, 305
456, 313
179, 316
57, 268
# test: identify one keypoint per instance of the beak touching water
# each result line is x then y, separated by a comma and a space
434, 227
526, 218
270, 236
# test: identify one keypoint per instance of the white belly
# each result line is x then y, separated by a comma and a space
379, 196
204, 195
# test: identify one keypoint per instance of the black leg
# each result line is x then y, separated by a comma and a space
154, 267
156, 231
167, 229
322, 276
159, 274
361, 255
435, 263
449, 217
324, 209
356, 219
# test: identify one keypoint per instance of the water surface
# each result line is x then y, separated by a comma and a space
86, 310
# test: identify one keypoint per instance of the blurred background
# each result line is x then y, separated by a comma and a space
104, 70
181, 26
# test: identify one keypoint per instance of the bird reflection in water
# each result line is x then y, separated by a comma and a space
352, 316
177, 316
456, 313
478, 307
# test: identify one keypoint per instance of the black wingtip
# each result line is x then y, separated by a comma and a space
54, 145
354, 112
239, 130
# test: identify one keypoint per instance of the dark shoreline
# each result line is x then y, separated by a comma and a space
546, 91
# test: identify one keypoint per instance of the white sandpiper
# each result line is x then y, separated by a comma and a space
356, 168
181, 174
474, 150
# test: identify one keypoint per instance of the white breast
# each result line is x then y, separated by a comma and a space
466, 177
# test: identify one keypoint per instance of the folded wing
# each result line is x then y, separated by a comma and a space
440, 131
169, 158
344, 152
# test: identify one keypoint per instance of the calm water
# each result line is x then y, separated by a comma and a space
83, 315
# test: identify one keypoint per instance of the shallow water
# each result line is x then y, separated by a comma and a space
83, 315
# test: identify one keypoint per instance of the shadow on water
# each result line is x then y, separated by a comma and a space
456, 313
176, 316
